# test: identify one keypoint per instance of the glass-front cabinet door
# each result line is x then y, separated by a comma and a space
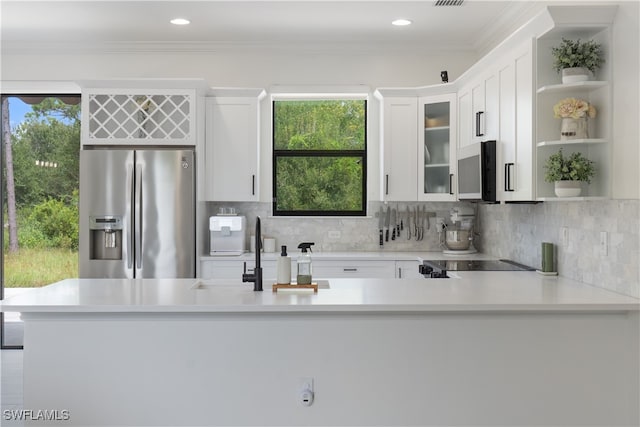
437, 148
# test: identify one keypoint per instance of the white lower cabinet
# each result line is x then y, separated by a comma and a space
408, 270
322, 269
356, 269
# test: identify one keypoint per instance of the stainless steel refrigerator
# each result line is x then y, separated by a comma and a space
137, 213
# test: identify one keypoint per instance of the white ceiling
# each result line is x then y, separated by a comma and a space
475, 25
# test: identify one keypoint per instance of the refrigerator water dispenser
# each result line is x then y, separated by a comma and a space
106, 237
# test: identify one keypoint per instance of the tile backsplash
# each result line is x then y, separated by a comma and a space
516, 231
342, 234
512, 231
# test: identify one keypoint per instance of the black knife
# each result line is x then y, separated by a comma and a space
387, 220
393, 224
380, 225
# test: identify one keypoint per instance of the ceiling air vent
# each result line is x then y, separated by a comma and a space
448, 2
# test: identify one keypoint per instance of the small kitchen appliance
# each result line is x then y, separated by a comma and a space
477, 172
227, 235
457, 238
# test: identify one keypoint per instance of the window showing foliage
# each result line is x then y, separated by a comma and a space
319, 157
40, 171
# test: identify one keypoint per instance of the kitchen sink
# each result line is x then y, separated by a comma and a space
218, 284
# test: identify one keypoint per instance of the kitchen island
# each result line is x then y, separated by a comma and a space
486, 348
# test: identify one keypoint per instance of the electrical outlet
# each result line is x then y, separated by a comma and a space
564, 235
604, 243
335, 234
306, 393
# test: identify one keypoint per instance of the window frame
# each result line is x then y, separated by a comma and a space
276, 154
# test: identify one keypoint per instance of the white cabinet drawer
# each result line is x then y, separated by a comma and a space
357, 269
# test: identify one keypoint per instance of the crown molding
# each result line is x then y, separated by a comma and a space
516, 16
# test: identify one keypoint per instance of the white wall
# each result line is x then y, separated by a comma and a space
245, 67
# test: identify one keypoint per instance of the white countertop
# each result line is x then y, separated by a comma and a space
508, 291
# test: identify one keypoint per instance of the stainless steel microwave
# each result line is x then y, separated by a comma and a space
477, 172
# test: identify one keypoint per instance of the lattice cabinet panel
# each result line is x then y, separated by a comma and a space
151, 117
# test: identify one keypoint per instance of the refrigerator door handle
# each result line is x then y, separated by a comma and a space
130, 185
138, 217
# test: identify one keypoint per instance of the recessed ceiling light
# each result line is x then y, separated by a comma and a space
401, 22
180, 21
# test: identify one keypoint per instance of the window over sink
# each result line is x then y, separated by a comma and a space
319, 156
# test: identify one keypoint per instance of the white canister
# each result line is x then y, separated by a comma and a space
269, 244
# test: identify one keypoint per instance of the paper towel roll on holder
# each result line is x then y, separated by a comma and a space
548, 260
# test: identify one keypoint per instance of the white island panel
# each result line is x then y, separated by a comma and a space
392, 369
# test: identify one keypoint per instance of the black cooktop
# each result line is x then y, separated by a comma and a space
476, 265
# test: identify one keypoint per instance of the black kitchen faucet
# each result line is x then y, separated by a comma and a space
256, 276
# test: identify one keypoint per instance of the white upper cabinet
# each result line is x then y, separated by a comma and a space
418, 143
138, 116
515, 174
508, 96
478, 110
489, 119
437, 148
399, 119
465, 117
232, 148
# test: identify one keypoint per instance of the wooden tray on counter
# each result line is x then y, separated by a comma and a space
277, 286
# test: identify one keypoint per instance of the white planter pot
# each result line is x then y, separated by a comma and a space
568, 188
574, 128
575, 74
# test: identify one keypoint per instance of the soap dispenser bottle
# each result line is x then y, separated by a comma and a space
304, 264
283, 267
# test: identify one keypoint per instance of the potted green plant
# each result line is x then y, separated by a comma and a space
577, 60
567, 173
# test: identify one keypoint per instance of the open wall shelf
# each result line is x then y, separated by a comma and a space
597, 92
